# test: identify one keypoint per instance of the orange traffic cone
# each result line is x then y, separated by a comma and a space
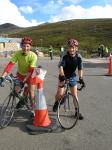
41, 113
110, 66
41, 122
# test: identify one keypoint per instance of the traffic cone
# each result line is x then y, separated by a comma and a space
41, 112
41, 122
110, 66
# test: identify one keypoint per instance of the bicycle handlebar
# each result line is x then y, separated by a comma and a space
8, 78
79, 88
12, 79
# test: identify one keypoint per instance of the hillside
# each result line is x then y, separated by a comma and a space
89, 32
9, 28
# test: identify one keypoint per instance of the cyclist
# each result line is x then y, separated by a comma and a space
26, 60
67, 70
51, 52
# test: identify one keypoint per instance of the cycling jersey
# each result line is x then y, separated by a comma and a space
70, 64
24, 61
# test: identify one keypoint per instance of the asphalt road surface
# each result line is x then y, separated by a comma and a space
93, 133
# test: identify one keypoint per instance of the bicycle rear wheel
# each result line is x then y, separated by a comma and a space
7, 111
68, 113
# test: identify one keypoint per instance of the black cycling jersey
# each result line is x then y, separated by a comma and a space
70, 64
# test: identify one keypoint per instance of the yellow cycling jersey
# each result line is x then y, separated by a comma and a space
24, 61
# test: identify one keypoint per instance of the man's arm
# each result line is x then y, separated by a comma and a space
81, 80
31, 67
80, 66
80, 70
10, 64
80, 73
8, 69
61, 75
30, 71
61, 71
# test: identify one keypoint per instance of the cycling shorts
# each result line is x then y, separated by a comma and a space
73, 81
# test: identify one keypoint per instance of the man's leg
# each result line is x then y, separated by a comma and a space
32, 95
23, 101
59, 94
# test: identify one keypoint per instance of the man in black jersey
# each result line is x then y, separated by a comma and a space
67, 70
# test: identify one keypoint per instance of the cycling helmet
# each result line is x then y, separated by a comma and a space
72, 43
26, 40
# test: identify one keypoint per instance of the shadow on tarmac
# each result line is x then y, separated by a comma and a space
22, 119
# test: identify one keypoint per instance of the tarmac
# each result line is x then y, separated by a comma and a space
97, 60
93, 133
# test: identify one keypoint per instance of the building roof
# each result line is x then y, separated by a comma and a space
13, 40
3, 40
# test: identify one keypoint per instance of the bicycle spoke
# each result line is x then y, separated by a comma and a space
67, 112
7, 111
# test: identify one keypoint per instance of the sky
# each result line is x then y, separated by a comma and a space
26, 13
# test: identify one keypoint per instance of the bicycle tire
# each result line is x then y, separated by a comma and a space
67, 111
7, 111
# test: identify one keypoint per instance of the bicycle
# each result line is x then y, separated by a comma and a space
68, 108
8, 106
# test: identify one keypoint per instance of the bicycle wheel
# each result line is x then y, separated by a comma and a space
7, 111
68, 113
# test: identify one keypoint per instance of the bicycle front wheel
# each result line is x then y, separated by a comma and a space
7, 111
68, 111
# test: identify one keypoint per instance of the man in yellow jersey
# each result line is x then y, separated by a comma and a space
26, 61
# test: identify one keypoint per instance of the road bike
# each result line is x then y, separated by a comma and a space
8, 107
68, 108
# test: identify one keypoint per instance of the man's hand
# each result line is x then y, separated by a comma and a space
81, 81
62, 78
62, 81
1, 81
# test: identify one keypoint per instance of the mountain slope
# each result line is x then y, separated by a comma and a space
9, 28
89, 32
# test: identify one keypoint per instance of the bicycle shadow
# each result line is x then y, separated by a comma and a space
22, 118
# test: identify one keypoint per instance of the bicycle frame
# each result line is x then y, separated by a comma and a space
67, 92
13, 92
9, 104
67, 108
66, 86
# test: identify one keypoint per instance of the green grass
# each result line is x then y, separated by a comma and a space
89, 32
